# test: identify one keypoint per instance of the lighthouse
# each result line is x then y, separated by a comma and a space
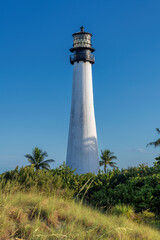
82, 149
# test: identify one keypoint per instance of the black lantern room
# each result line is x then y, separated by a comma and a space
82, 47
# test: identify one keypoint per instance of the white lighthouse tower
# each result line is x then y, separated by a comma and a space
82, 151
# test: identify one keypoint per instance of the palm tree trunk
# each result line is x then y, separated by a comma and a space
105, 166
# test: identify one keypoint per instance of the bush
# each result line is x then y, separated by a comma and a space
125, 210
138, 187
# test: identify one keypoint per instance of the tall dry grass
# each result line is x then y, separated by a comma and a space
36, 216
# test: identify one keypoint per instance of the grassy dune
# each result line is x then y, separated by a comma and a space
35, 216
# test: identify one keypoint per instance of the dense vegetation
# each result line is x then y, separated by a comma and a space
138, 187
40, 204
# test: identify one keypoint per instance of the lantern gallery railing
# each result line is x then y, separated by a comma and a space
82, 57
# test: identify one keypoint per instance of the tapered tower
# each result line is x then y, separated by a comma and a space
82, 150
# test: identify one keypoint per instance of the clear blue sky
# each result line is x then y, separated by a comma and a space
36, 76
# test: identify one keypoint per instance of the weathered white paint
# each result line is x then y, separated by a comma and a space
82, 151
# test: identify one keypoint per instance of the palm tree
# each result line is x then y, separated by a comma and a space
157, 142
107, 157
37, 159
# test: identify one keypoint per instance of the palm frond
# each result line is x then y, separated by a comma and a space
44, 154
29, 156
44, 165
40, 159
36, 153
32, 161
110, 153
158, 158
112, 163
46, 168
156, 143
113, 157
49, 160
101, 163
158, 130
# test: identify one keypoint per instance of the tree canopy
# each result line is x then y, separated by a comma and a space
37, 159
107, 158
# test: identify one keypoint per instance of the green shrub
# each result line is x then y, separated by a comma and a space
139, 187
124, 210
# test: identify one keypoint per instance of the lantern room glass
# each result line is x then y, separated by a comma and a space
82, 40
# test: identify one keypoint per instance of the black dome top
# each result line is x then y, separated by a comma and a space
81, 32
